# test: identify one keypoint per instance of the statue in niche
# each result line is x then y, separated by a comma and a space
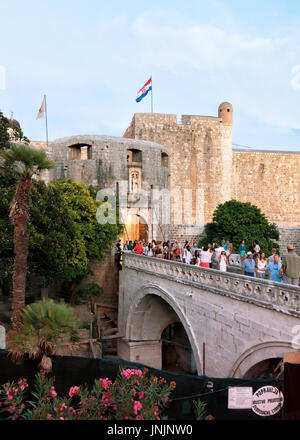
134, 182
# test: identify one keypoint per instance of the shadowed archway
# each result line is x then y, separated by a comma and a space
151, 317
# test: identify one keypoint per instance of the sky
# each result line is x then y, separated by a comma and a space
91, 57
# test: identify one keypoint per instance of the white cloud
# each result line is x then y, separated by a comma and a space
175, 45
254, 71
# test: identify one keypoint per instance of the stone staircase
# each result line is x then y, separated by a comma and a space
109, 332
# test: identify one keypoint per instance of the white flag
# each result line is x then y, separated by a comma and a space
42, 110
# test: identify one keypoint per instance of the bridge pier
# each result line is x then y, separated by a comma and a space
148, 353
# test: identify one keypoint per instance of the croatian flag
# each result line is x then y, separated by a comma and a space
144, 90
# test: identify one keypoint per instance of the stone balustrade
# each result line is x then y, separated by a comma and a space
264, 293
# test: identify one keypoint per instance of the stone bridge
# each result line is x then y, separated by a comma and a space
208, 322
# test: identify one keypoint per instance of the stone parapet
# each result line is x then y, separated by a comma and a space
263, 293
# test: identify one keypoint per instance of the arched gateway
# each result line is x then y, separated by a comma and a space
152, 317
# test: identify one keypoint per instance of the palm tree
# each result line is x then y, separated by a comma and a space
26, 163
44, 326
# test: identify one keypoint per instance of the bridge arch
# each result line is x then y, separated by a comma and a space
151, 312
257, 354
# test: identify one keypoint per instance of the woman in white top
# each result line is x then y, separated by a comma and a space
187, 255
223, 262
149, 251
261, 263
205, 257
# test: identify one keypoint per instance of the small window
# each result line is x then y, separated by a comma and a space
164, 160
134, 156
80, 152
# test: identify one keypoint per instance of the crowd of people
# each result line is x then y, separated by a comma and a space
189, 253
253, 261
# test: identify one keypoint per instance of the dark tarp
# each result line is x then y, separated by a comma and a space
71, 371
291, 408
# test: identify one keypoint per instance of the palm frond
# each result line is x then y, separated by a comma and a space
25, 160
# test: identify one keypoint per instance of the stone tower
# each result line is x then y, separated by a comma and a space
200, 149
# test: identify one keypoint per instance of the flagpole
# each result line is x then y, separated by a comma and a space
151, 95
46, 120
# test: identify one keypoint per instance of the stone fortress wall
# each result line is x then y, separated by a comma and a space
194, 158
202, 159
200, 149
271, 181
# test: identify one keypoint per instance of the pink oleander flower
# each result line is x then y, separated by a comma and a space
73, 391
61, 418
23, 384
49, 417
166, 399
106, 398
105, 383
53, 392
128, 373
11, 393
141, 395
137, 406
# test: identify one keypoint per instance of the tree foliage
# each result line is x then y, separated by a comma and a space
16, 131
237, 221
91, 240
64, 235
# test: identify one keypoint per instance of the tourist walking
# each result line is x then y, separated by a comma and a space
255, 248
149, 251
212, 252
130, 246
248, 267
291, 267
261, 263
196, 259
187, 255
166, 251
243, 251
274, 268
223, 262
158, 251
271, 257
205, 257
139, 249
218, 252
229, 249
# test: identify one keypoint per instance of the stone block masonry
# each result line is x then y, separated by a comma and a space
201, 157
200, 150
